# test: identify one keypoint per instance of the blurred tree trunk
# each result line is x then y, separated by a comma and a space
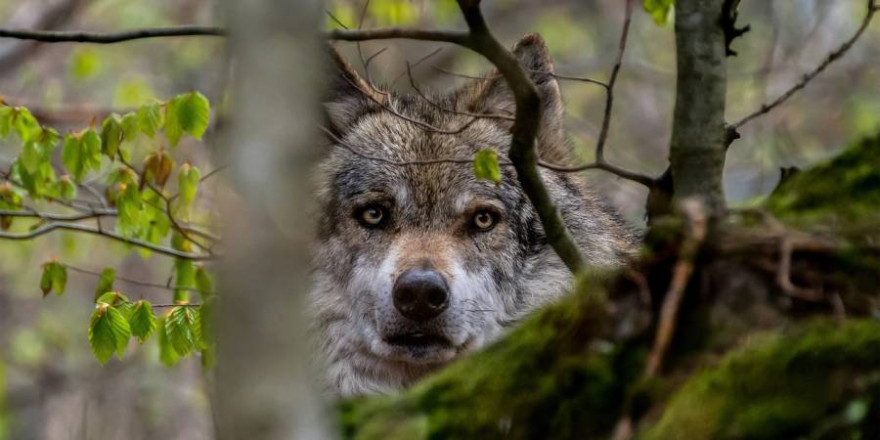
265, 388
699, 133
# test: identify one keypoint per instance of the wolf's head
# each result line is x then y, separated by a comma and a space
418, 261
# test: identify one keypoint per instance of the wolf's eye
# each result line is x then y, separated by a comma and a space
484, 221
372, 216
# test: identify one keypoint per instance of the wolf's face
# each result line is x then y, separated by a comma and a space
419, 261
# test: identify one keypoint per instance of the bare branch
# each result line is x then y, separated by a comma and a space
110, 38
132, 281
68, 226
454, 37
601, 163
809, 76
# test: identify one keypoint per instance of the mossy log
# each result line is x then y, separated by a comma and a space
778, 337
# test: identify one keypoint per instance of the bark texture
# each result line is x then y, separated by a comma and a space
699, 133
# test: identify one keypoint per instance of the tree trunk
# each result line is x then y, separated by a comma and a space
699, 133
265, 387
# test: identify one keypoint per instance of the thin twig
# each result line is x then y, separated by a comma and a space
809, 76
132, 281
412, 83
601, 163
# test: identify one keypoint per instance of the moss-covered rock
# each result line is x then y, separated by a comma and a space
843, 190
776, 386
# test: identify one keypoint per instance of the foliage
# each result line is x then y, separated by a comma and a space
486, 165
660, 10
147, 216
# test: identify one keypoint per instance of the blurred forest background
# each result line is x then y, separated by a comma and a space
50, 385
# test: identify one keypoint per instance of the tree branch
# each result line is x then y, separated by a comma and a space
110, 38
809, 76
601, 163
479, 39
53, 226
132, 281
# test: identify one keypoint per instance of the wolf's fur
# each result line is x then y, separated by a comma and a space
494, 277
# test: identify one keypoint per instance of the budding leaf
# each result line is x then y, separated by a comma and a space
81, 153
188, 178
486, 165
149, 118
25, 124
111, 135
188, 113
130, 128
142, 320
114, 299
54, 278
109, 332
105, 282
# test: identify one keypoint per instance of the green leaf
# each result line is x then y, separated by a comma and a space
30, 157
25, 124
204, 282
111, 135
142, 321
6, 113
114, 299
65, 188
660, 10
182, 327
149, 118
46, 280
486, 165
109, 332
188, 179
189, 113
54, 278
184, 278
130, 211
105, 282
130, 128
81, 153
167, 355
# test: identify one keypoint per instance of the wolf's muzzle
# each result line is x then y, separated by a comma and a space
420, 294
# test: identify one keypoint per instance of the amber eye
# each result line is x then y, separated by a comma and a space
372, 216
484, 221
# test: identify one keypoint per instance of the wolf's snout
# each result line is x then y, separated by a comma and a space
420, 294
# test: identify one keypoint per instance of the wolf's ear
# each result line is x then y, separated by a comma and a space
492, 95
347, 96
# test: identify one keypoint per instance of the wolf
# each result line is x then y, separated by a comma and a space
419, 262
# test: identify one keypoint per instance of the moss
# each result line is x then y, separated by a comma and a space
549, 379
844, 190
777, 386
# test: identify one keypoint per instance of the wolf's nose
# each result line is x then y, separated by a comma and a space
420, 294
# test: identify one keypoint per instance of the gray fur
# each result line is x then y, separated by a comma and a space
495, 277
